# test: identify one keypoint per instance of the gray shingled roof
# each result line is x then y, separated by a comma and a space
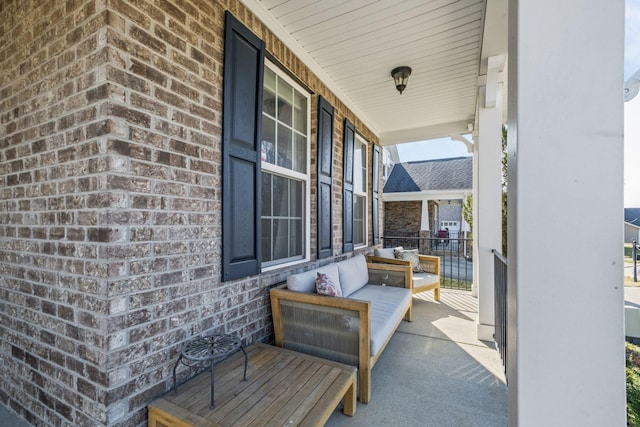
632, 216
441, 174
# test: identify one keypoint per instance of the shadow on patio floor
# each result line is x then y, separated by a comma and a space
434, 372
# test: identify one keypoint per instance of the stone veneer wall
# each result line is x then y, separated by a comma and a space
110, 193
402, 218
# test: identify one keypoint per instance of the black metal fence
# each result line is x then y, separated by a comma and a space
456, 265
500, 308
634, 254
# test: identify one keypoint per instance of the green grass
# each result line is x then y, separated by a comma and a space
628, 252
449, 283
633, 384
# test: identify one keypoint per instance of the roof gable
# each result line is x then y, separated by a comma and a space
632, 216
429, 175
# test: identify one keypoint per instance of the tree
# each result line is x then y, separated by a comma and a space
467, 204
467, 210
504, 190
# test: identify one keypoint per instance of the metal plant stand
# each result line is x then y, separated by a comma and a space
203, 352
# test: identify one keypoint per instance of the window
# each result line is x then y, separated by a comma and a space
285, 170
360, 193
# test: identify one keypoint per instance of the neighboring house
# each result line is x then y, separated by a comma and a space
631, 225
389, 158
423, 197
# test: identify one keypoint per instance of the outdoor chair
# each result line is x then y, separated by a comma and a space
425, 269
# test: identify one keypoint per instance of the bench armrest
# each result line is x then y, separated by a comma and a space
430, 264
383, 260
334, 328
389, 274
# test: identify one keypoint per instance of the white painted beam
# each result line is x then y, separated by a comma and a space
566, 321
487, 201
424, 133
424, 220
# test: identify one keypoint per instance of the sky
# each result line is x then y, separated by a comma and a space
446, 148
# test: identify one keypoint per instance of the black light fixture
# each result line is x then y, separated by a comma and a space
401, 77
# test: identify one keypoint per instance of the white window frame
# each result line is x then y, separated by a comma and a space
290, 173
365, 185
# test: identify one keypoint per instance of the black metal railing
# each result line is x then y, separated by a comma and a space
500, 308
456, 265
634, 254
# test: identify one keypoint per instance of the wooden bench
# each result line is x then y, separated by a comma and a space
420, 282
282, 388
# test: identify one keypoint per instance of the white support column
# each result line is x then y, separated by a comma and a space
474, 216
566, 333
424, 220
487, 216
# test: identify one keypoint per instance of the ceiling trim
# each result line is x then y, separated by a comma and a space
425, 133
257, 8
426, 195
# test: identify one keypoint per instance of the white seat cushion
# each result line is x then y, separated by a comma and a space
385, 253
354, 274
388, 305
424, 279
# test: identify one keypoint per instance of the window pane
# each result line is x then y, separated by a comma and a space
285, 147
269, 79
269, 95
296, 240
358, 221
280, 196
280, 238
268, 140
300, 117
358, 185
300, 150
297, 199
266, 240
266, 194
285, 102
360, 190
363, 170
360, 168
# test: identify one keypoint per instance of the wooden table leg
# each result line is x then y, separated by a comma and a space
350, 399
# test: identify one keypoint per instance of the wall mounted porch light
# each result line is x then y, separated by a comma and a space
401, 77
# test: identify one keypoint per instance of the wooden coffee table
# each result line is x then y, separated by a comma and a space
282, 388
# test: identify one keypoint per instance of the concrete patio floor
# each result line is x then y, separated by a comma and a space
434, 372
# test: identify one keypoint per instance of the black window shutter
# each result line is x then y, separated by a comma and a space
325, 182
348, 141
375, 198
241, 134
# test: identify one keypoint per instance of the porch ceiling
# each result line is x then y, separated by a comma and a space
353, 45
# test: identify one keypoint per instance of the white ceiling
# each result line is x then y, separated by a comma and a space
353, 45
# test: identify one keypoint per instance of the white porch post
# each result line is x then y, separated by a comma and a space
424, 220
487, 200
566, 336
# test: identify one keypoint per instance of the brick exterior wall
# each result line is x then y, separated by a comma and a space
402, 218
110, 194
